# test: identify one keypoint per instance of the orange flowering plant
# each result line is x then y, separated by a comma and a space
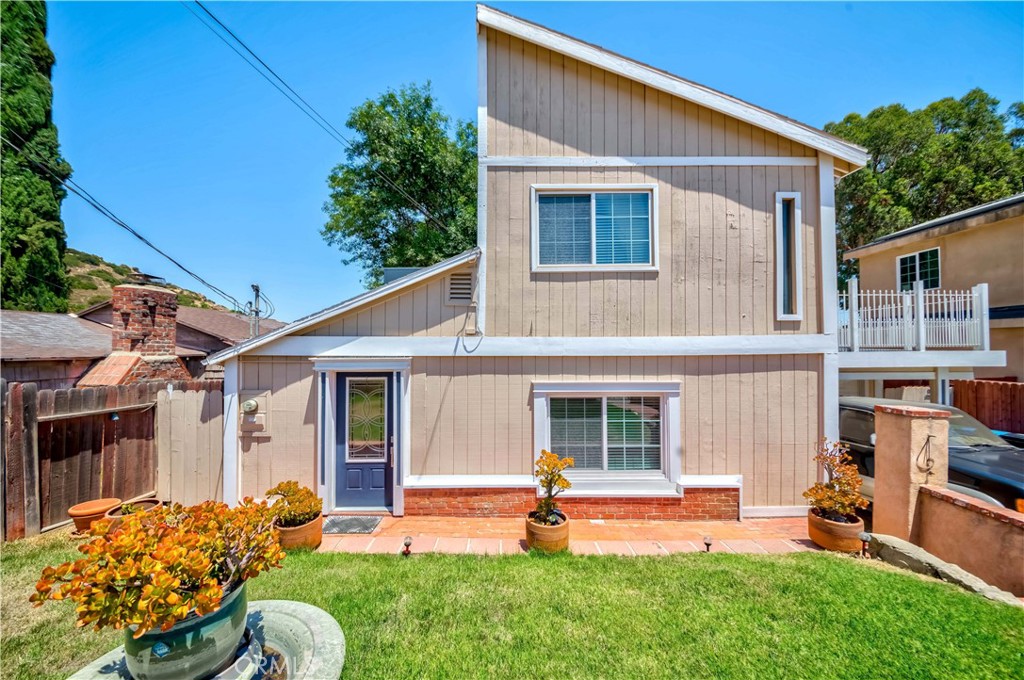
838, 497
553, 482
295, 505
157, 567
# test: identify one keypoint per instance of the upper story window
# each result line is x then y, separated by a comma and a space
922, 266
587, 228
789, 288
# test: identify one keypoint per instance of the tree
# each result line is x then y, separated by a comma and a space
951, 155
32, 237
406, 153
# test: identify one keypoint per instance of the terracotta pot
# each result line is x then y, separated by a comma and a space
546, 538
84, 514
143, 505
308, 535
837, 536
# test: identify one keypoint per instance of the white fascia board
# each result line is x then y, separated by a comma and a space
321, 347
717, 101
927, 359
646, 161
412, 279
903, 375
469, 481
361, 364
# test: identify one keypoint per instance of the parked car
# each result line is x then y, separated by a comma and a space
980, 463
1012, 438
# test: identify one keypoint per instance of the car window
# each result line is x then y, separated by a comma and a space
856, 426
966, 431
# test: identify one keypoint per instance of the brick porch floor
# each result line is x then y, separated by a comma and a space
505, 536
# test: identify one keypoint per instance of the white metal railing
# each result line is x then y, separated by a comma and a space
915, 319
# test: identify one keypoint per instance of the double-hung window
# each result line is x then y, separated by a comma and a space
613, 433
922, 266
576, 229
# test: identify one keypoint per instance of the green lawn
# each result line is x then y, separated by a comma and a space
687, 616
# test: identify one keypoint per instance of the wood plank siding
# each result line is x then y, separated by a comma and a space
422, 310
752, 415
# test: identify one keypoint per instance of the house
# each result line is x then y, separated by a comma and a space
653, 293
983, 244
58, 351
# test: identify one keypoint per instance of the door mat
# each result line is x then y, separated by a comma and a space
353, 524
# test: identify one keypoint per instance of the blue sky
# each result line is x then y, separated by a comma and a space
186, 143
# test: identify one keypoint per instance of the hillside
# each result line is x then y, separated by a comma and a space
92, 279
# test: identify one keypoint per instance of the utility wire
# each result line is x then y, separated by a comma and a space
304, 105
80, 191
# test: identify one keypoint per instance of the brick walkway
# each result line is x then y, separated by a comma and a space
494, 536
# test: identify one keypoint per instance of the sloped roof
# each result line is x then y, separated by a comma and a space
231, 327
27, 336
345, 306
672, 84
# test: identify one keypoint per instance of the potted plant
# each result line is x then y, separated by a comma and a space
832, 521
298, 515
84, 514
121, 510
174, 580
547, 527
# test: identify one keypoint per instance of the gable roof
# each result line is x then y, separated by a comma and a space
978, 216
229, 327
407, 281
672, 84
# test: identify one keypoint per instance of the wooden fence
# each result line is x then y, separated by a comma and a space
1000, 405
63, 447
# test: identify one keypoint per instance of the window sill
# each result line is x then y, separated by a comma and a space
614, 485
592, 268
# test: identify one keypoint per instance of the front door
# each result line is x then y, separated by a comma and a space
364, 469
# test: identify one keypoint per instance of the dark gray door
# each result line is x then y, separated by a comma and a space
364, 469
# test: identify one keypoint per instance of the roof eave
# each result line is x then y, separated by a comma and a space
634, 70
345, 306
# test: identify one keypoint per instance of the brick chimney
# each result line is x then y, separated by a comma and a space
144, 320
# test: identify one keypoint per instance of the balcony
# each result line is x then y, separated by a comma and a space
913, 320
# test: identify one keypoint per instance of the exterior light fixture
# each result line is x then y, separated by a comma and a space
865, 538
408, 545
707, 544
115, 417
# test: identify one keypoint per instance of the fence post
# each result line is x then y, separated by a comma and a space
919, 314
3, 460
33, 518
853, 311
981, 293
908, 320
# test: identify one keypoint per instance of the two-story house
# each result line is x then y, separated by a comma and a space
653, 294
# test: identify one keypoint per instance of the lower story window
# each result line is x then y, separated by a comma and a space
607, 433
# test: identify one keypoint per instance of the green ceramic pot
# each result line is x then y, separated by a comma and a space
195, 648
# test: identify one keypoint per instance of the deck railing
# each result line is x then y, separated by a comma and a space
916, 319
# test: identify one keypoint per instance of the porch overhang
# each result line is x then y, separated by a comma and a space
927, 359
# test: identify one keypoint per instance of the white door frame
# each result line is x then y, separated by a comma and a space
326, 370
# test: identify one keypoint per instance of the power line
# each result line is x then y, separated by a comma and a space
81, 192
308, 109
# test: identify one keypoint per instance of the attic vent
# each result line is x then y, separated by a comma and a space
460, 288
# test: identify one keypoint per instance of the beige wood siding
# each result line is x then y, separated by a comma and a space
716, 257
288, 448
752, 415
422, 310
540, 103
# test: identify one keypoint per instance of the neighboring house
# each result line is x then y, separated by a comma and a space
105, 344
984, 244
653, 294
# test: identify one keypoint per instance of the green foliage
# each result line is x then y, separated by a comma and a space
405, 137
295, 505
107, 276
951, 155
82, 282
32, 237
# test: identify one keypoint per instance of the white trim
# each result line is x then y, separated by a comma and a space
405, 441
322, 417
536, 190
469, 481
830, 397
828, 287
927, 359
388, 414
360, 364
231, 488
660, 80
902, 375
917, 269
775, 511
481, 182
781, 197
710, 481
327, 346
645, 161
416, 277
613, 388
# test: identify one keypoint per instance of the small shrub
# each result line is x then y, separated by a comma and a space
553, 482
295, 505
105, 275
130, 508
82, 282
157, 567
838, 497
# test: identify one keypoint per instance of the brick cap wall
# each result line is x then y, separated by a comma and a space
911, 411
974, 505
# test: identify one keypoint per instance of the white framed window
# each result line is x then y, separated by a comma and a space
789, 251
587, 228
610, 428
921, 266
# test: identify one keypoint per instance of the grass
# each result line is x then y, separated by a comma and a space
687, 616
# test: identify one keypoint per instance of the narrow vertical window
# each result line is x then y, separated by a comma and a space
788, 257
